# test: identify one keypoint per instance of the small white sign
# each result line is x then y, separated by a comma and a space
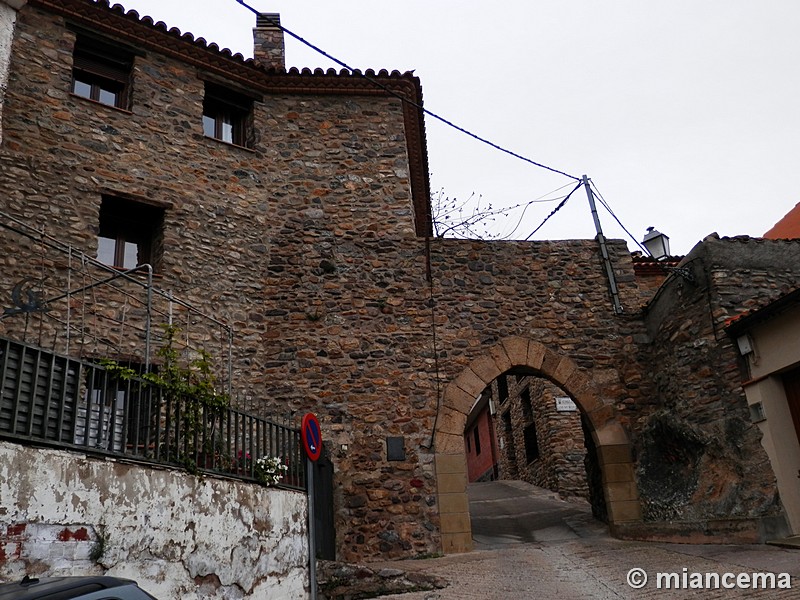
565, 404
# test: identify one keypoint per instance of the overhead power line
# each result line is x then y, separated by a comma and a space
402, 98
526, 206
449, 123
611, 212
555, 210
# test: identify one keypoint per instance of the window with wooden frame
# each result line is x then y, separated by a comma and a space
227, 115
101, 71
130, 233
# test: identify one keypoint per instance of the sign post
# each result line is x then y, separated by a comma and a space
311, 435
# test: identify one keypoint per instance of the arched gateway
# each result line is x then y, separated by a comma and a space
533, 358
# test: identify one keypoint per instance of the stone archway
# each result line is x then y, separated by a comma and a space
613, 447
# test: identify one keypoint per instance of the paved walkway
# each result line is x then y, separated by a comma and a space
554, 549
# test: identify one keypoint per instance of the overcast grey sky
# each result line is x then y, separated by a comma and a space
684, 113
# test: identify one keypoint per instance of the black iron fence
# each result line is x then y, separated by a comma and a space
55, 400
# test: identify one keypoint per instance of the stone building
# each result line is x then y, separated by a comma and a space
542, 436
701, 443
285, 216
480, 440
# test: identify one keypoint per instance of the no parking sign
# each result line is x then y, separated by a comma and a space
312, 436
312, 442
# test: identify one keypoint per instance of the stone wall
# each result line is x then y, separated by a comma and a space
305, 245
178, 535
701, 463
557, 459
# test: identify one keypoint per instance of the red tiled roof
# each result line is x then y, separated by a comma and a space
763, 310
788, 227
649, 266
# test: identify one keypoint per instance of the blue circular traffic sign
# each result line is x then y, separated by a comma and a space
312, 436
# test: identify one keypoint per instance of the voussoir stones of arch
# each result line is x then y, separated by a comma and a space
452, 421
516, 351
516, 348
510, 352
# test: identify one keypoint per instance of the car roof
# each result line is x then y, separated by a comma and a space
62, 588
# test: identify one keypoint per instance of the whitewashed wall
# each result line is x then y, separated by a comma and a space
8, 16
180, 536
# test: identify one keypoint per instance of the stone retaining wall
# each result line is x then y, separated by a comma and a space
559, 464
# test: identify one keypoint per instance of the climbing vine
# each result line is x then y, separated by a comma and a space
189, 392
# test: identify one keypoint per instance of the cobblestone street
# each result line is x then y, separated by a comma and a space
575, 558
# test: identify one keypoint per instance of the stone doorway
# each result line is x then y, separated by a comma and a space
519, 355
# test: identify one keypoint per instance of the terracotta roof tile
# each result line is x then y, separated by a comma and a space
764, 309
648, 266
788, 227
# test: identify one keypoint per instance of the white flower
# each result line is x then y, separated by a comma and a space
270, 470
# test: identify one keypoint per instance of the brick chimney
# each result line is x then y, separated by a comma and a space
268, 47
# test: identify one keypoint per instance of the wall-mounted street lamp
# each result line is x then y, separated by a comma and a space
657, 243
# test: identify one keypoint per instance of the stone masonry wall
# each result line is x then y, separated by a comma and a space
700, 457
225, 207
560, 463
178, 535
305, 245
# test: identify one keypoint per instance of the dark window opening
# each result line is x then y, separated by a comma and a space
477, 436
502, 388
531, 443
227, 115
507, 426
130, 233
527, 408
101, 72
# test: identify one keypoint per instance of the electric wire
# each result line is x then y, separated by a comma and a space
527, 205
519, 221
402, 98
442, 216
611, 212
554, 211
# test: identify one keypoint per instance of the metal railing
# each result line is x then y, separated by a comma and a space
68, 301
55, 400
